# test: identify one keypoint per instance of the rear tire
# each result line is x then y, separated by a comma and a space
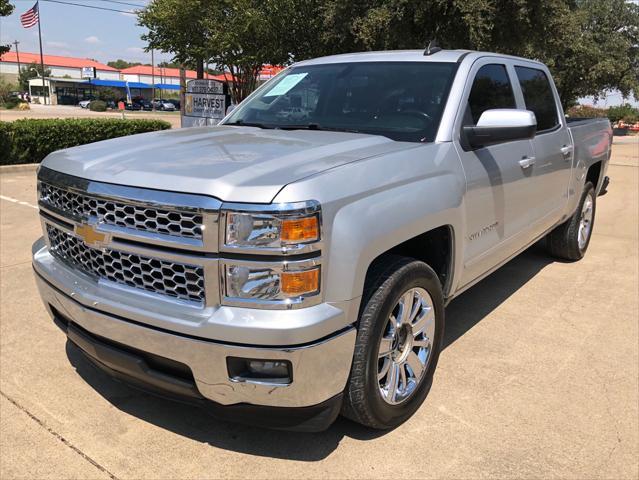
570, 240
394, 360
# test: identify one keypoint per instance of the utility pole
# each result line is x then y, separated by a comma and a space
182, 92
16, 43
153, 79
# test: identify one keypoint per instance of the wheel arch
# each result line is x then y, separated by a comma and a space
594, 175
434, 247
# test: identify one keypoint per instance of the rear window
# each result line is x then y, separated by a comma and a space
538, 96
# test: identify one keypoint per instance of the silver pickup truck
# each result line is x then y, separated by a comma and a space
294, 262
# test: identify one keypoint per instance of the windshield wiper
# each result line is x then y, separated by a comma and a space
242, 123
316, 126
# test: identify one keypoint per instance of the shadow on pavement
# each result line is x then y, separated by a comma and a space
467, 310
461, 315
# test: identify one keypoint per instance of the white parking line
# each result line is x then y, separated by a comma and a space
19, 202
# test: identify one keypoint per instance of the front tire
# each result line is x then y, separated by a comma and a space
399, 339
570, 240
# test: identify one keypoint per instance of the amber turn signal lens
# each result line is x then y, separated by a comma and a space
299, 283
300, 229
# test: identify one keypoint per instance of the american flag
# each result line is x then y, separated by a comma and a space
30, 17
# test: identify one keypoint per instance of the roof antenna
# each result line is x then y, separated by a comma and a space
432, 47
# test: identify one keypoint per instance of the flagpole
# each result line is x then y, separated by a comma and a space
44, 90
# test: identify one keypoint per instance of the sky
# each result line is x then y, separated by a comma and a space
81, 32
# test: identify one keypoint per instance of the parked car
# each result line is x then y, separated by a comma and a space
176, 103
132, 106
144, 105
163, 105
84, 103
283, 272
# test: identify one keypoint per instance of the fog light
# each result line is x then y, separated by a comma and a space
259, 371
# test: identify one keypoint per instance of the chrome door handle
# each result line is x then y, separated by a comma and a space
566, 150
527, 162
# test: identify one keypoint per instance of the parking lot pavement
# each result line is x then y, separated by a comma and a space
539, 378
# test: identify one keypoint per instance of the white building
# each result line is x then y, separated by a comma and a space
161, 75
61, 67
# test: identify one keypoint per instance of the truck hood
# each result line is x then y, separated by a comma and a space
233, 164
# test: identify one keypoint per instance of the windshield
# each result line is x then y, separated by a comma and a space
399, 100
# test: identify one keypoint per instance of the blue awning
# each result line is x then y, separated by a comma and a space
117, 83
167, 86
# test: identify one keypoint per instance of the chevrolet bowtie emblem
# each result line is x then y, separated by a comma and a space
90, 236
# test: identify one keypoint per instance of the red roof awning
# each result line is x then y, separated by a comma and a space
55, 61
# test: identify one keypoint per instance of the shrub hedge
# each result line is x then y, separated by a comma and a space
98, 106
12, 102
586, 111
627, 113
30, 140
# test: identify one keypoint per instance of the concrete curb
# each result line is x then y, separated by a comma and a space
24, 167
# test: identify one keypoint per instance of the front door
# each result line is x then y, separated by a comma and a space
498, 186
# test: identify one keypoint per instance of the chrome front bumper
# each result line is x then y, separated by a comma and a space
202, 339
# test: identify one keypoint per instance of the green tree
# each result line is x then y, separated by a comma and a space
6, 89
33, 70
178, 27
169, 65
238, 36
255, 33
597, 51
6, 9
107, 94
590, 45
120, 64
623, 112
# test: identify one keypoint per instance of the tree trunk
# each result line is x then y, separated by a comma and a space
200, 67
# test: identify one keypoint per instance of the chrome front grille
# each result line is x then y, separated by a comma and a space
121, 214
182, 281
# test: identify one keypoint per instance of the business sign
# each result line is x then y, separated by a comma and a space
205, 87
88, 72
204, 103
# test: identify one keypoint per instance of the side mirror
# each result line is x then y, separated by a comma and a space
501, 125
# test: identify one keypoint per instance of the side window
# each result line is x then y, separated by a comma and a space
491, 89
538, 96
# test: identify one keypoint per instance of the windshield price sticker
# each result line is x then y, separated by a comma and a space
286, 84
203, 105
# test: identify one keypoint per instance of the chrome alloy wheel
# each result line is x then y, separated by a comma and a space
585, 223
406, 345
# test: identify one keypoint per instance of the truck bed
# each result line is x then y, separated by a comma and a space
592, 140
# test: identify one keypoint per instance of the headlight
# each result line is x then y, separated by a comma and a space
279, 284
270, 229
278, 230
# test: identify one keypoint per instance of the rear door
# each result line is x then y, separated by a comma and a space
552, 145
497, 199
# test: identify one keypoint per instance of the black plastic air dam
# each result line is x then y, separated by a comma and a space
131, 367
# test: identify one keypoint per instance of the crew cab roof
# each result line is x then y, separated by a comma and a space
451, 56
